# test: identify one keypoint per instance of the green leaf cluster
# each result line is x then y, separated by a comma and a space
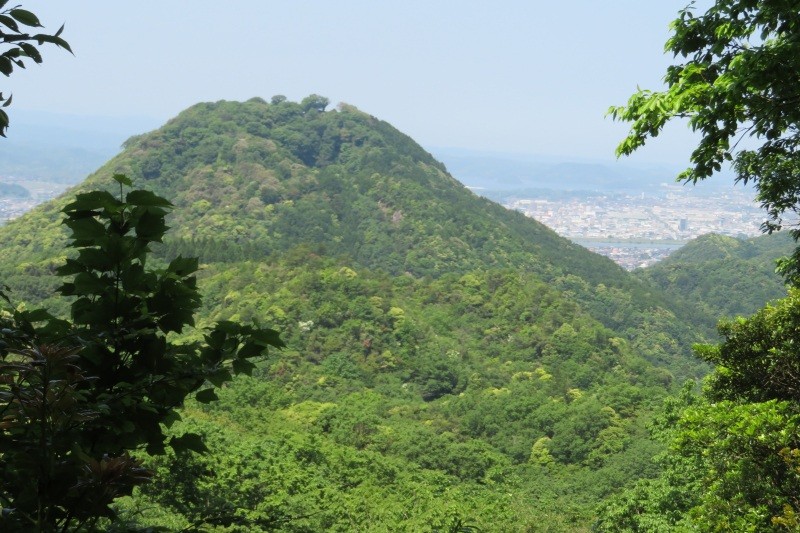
735, 81
16, 45
78, 396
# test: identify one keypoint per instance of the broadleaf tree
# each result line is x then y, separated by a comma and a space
734, 461
19, 44
736, 80
79, 396
734, 456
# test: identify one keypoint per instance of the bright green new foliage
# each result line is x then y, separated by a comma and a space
737, 78
76, 396
734, 455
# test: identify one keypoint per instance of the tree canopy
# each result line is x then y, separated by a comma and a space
737, 80
78, 396
734, 449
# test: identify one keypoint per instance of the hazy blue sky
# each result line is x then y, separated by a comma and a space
510, 76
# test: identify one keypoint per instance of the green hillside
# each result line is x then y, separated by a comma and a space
722, 275
449, 362
253, 180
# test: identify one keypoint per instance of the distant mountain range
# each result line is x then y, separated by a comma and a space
505, 172
12, 190
60, 147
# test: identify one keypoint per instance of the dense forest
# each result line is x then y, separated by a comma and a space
447, 361
725, 276
272, 316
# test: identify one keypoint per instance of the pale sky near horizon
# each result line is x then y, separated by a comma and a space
526, 77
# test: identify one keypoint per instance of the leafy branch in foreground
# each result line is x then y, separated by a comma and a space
17, 44
736, 78
77, 396
734, 460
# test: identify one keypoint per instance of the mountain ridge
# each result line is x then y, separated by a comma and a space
427, 328
724, 275
249, 192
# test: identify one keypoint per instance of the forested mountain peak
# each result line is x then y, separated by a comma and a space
312, 134
714, 246
253, 178
429, 332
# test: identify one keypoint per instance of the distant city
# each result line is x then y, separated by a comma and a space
39, 191
636, 230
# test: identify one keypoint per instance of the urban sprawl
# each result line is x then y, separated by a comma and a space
636, 230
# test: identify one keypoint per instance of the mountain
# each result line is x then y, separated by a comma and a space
13, 190
500, 173
46, 162
449, 362
723, 275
